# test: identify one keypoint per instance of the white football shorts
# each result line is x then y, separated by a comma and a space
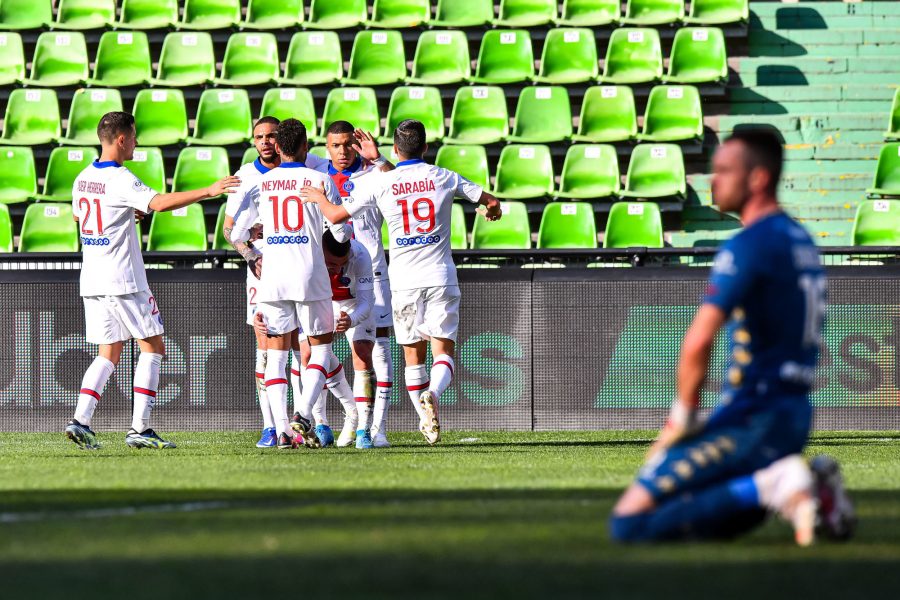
381, 311
284, 316
424, 313
110, 319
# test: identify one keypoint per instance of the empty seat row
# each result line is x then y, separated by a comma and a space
887, 172
877, 223
479, 116
634, 55
330, 15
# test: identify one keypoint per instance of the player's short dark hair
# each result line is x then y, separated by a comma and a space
113, 124
290, 137
409, 137
267, 120
334, 247
764, 149
340, 127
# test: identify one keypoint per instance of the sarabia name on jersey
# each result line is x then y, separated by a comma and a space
413, 187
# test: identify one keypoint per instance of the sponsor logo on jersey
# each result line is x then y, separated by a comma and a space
91, 241
287, 239
422, 240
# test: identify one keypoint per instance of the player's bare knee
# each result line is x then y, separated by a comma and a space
634, 501
154, 345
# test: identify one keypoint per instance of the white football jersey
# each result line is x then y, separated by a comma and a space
294, 265
251, 172
353, 287
104, 198
416, 200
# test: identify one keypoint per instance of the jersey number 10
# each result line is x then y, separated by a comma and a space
85, 205
422, 210
282, 213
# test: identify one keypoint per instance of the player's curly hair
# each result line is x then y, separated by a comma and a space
334, 247
409, 137
290, 137
113, 124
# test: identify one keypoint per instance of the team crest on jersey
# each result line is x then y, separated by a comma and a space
139, 186
348, 186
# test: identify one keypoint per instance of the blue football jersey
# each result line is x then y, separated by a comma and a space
770, 281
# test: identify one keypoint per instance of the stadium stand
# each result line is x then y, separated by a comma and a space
18, 178
511, 232
223, 118
180, 229
64, 166
6, 230
877, 223
148, 165
49, 227
88, 105
458, 232
655, 171
199, 168
887, 173
653, 12
524, 171
633, 224
567, 225
823, 72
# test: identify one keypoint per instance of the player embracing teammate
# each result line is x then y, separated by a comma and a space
416, 200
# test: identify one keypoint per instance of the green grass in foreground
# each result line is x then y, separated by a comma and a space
483, 515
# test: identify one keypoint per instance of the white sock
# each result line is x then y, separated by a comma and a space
777, 483
296, 376
319, 413
314, 375
92, 385
264, 408
146, 383
337, 383
363, 394
441, 374
276, 389
384, 376
416, 382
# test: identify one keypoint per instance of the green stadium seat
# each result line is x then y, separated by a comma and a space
420, 103
182, 229
199, 168
634, 224
85, 14
147, 164
442, 57
250, 59
223, 118
524, 172
893, 132
887, 173
18, 180
6, 232
463, 13
569, 56
511, 232
608, 114
25, 14
64, 166
673, 114
469, 161
568, 225
88, 106
590, 172
49, 227
634, 55
400, 14
543, 115
589, 13
653, 12
210, 14
12, 58
718, 12
273, 14
655, 171
286, 103
148, 14
356, 105
160, 117
458, 233
60, 59
877, 223
250, 154
328, 14
186, 59
123, 59
219, 241
314, 58
526, 13
377, 58
698, 56
505, 57
479, 116
319, 151
31, 118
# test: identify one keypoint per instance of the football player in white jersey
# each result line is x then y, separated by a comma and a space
415, 200
295, 291
118, 303
264, 142
354, 156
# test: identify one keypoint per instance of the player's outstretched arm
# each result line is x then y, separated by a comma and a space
367, 147
334, 213
493, 212
174, 200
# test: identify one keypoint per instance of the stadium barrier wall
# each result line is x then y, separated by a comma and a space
542, 349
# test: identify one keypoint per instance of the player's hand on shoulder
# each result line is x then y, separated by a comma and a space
343, 323
315, 194
226, 185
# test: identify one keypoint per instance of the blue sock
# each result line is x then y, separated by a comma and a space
722, 510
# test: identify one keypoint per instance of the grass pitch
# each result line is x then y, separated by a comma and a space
483, 515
